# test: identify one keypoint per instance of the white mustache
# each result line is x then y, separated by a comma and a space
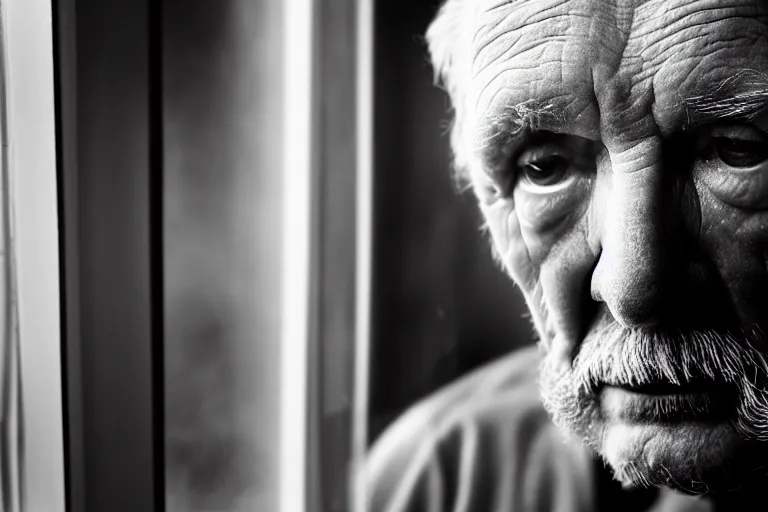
618, 356
614, 355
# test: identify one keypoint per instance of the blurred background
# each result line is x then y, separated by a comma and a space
440, 305
174, 196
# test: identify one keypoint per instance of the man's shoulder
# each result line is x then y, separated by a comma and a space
511, 380
470, 441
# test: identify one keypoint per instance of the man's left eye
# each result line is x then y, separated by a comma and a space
738, 146
734, 165
740, 153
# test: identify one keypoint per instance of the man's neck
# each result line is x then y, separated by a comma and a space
744, 500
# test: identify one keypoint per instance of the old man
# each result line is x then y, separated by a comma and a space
618, 150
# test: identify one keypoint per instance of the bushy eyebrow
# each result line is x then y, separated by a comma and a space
500, 130
743, 97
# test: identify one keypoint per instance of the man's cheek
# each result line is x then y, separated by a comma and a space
504, 225
565, 277
547, 215
737, 244
507, 234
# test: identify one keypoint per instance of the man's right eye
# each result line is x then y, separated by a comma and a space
546, 171
543, 166
552, 178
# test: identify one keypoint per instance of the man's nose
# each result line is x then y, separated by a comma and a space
629, 275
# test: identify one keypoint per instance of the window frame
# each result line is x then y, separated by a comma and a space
109, 129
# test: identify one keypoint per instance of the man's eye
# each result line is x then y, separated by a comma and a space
545, 171
739, 153
552, 177
733, 164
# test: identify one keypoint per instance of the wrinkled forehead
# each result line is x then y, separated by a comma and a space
602, 67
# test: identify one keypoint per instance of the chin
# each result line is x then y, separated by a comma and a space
694, 458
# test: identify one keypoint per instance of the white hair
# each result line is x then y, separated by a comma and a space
449, 45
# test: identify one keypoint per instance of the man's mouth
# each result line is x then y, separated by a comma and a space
668, 402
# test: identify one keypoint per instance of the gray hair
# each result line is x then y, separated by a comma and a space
741, 97
445, 37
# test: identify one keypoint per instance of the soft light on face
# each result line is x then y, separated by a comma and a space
618, 150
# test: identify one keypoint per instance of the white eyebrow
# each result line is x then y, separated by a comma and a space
498, 130
741, 97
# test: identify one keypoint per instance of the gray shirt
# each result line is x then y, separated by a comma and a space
486, 444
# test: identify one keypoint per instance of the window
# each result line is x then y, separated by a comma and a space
211, 218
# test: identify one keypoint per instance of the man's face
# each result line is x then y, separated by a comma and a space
620, 154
